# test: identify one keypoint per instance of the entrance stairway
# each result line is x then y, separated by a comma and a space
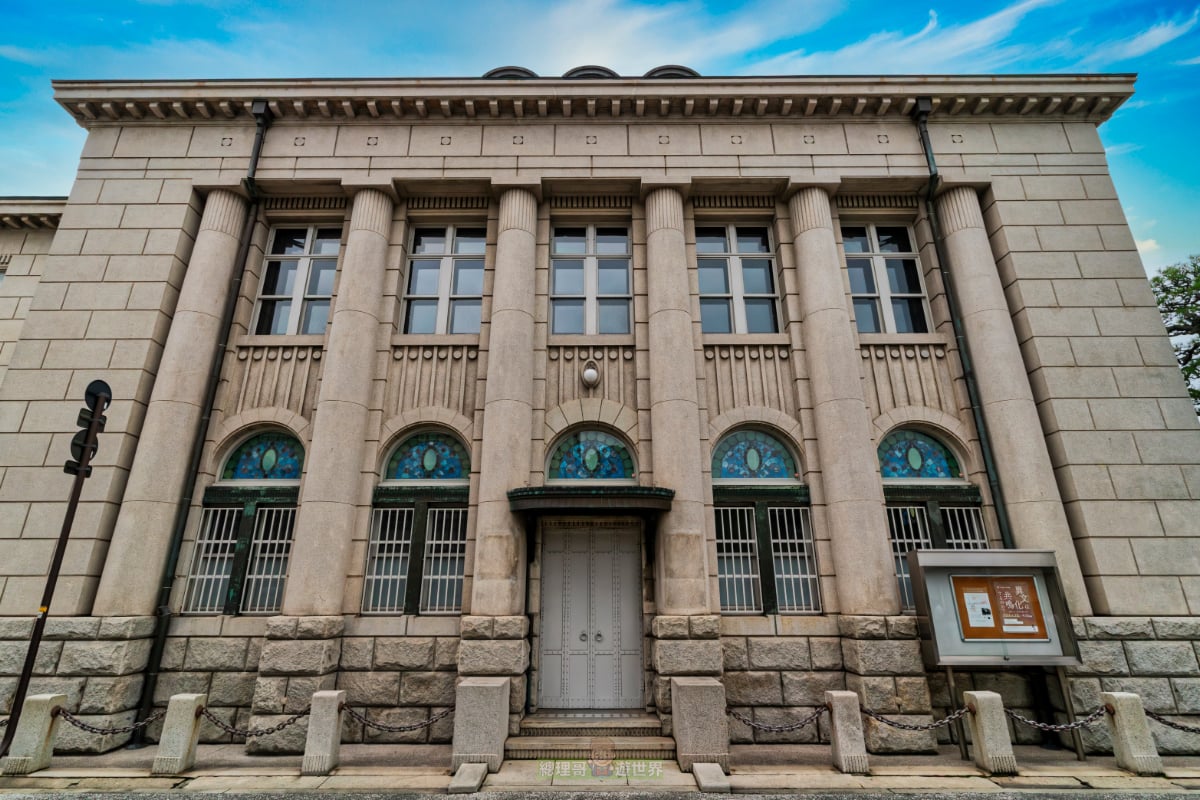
572, 735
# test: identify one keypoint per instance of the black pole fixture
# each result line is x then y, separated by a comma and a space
83, 449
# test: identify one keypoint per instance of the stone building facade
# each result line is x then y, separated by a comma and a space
588, 382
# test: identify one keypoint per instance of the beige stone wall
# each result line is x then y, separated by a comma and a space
22, 259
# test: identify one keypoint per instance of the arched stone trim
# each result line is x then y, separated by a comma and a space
405, 423
237, 427
606, 413
942, 426
785, 427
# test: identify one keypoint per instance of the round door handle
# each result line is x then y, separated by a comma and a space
599, 636
583, 636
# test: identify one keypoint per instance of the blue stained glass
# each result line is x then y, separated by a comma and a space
270, 456
591, 455
753, 454
429, 456
908, 454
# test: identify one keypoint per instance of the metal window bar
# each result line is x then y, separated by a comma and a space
794, 555
737, 560
388, 555
445, 558
964, 528
266, 572
909, 529
208, 578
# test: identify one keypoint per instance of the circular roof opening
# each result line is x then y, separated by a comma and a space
590, 71
510, 72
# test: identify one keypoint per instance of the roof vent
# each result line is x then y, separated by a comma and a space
672, 71
591, 71
519, 73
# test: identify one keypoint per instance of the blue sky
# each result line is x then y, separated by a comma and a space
1150, 141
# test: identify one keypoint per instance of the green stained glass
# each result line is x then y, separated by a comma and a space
429, 456
591, 455
752, 454
268, 456
909, 454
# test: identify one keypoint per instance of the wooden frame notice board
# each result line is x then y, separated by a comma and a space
999, 608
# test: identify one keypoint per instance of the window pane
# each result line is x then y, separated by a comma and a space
756, 276
893, 240
289, 241
753, 240
760, 316
714, 316
570, 241
315, 315
612, 241
910, 315
468, 277
464, 316
855, 240
568, 316
614, 276
327, 241
614, 316
902, 276
423, 277
280, 277
429, 240
320, 277
470, 241
714, 277
711, 240
866, 315
422, 316
568, 277
862, 280
273, 317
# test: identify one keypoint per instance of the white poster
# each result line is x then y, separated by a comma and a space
979, 610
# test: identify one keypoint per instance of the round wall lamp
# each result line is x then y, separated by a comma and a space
590, 375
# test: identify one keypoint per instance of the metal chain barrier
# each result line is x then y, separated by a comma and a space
1179, 726
941, 723
250, 733
83, 726
1090, 719
3, 723
379, 726
762, 726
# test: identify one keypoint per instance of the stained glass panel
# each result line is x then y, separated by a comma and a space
429, 457
272, 456
752, 454
591, 455
908, 454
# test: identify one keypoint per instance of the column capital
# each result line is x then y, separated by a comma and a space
386, 185
830, 185
648, 186
501, 185
664, 210
810, 208
959, 209
224, 211
372, 211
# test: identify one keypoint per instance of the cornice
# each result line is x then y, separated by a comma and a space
1090, 98
31, 213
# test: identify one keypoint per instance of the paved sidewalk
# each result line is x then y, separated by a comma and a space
763, 769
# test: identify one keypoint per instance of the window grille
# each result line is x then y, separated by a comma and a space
387, 561
445, 558
208, 579
737, 560
269, 551
794, 556
910, 530
964, 528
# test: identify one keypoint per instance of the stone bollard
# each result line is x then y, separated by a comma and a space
846, 733
180, 734
990, 740
33, 743
480, 722
698, 722
1133, 744
322, 748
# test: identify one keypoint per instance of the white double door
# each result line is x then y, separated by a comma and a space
591, 638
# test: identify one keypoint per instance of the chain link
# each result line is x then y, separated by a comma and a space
762, 726
941, 723
251, 733
83, 726
1064, 727
1179, 726
379, 726
3, 724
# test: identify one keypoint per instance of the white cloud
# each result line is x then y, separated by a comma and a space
1142, 43
1145, 246
1112, 151
1191, 62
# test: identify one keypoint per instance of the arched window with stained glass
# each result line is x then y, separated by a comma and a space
909, 454
590, 455
429, 456
751, 455
269, 456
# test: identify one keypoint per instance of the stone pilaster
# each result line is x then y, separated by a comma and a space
683, 646
299, 657
133, 567
330, 493
858, 529
681, 569
1022, 461
498, 647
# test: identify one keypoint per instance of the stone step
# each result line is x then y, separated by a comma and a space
580, 747
558, 724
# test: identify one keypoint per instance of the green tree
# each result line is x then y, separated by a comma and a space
1177, 290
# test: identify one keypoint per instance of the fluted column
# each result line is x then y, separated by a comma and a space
141, 538
858, 529
681, 579
1034, 506
499, 575
335, 458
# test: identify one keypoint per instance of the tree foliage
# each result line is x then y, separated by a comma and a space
1177, 289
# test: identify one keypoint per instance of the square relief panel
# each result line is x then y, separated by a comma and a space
736, 140
881, 138
372, 140
810, 138
299, 141
668, 140
960, 137
445, 140
518, 140
219, 141
586, 139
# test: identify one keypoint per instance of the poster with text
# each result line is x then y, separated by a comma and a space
998, 607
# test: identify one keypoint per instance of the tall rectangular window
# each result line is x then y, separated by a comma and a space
297, 281
885, 279
240, 562
930, 525
416, 556
444, 288
766, 559
590, 280
736, 267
